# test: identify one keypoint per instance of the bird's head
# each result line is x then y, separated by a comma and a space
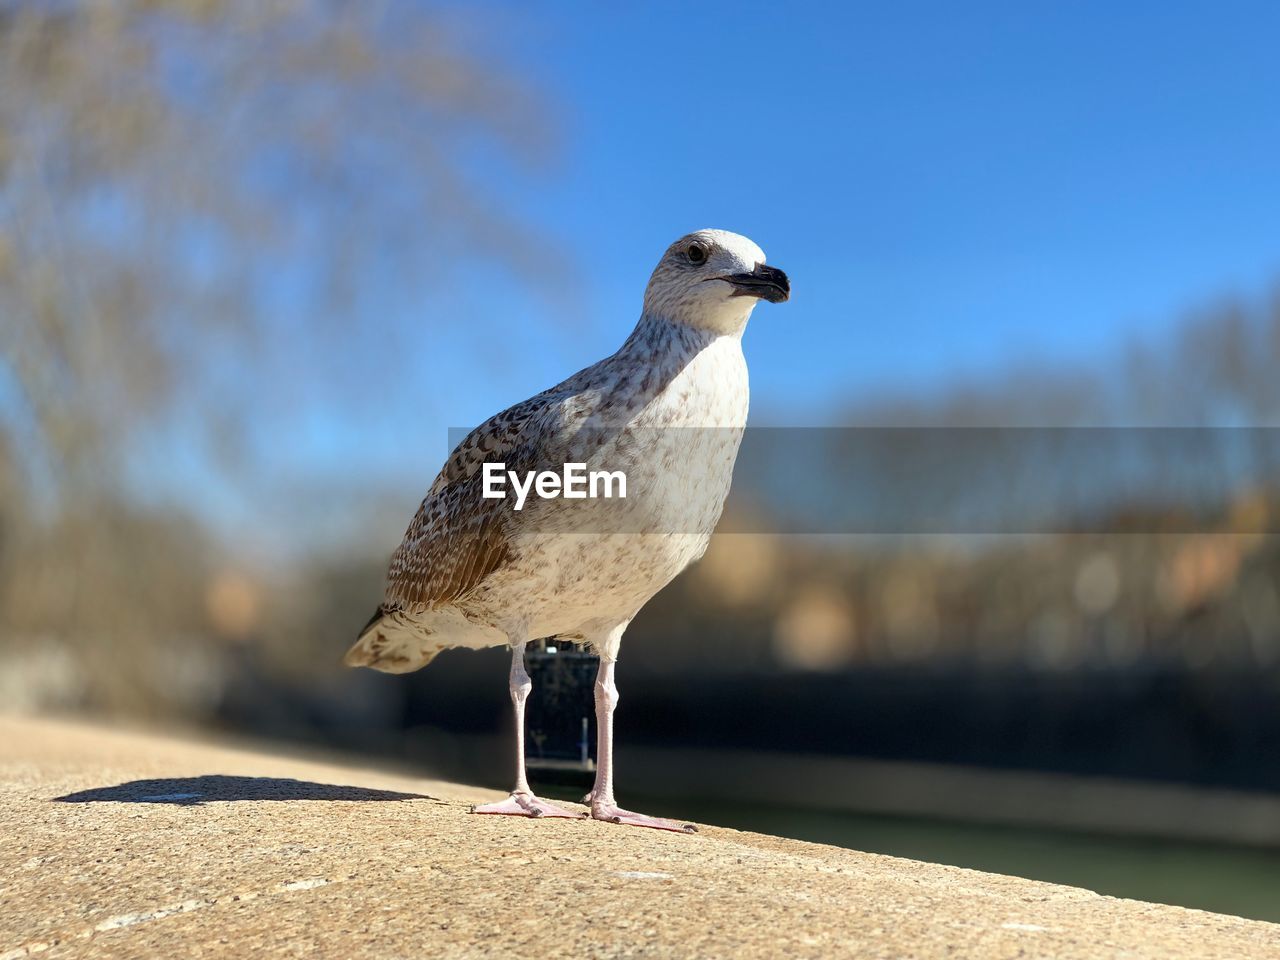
712, 279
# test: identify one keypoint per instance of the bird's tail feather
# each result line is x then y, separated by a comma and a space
393, 642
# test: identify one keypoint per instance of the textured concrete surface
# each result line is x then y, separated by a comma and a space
124, 845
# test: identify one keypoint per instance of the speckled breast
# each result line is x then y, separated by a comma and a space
597, 559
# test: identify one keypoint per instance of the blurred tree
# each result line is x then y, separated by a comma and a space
199, 202
166, 168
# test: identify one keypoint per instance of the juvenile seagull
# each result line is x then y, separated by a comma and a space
473, 573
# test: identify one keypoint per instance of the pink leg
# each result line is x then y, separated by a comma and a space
601, 799
522, 802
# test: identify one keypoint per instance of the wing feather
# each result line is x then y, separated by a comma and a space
458, 538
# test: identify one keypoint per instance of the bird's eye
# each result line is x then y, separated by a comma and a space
697, 253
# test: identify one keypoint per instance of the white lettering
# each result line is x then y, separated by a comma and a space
521, 491
548, 484
495, 476
608, 477
575, 481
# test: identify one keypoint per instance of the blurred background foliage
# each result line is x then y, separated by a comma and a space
162, 166
201, 204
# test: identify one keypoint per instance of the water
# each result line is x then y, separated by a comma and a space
1220, 878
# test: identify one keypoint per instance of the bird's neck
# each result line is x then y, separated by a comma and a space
657, 353
659, 341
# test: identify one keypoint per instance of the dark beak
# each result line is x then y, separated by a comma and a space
765, 282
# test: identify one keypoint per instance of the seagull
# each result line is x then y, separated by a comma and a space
667, 410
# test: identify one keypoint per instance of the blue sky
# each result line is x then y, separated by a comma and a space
954, 189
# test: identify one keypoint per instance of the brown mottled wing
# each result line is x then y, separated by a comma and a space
445, 556
458, 538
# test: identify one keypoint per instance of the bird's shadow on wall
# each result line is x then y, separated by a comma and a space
193, 791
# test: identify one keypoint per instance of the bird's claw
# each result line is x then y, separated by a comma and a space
614, 814
525, 805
